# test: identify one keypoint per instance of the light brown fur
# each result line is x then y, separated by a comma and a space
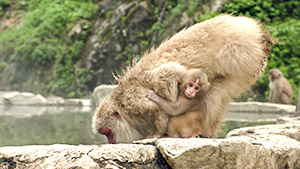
281, 90
228, 49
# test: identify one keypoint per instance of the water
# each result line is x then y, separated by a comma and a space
40, 125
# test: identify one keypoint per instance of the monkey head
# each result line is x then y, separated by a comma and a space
109, 122
193, 82
191, 89
274, 74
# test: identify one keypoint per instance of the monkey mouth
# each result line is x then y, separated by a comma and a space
189, 95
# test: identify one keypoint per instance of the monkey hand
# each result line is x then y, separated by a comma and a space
151, 95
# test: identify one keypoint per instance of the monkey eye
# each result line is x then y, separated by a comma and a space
116, 115
191, 84
197, 88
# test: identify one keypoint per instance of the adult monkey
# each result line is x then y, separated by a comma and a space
281, 90
230, 50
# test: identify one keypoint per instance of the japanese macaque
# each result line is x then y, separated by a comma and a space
228, 49
280, 89
193, 85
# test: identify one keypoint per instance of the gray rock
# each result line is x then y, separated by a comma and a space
261, 107
23, 98
99, 93
89, 157
259, 151
77, 102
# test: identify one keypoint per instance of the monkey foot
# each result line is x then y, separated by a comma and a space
202, 136
153, 135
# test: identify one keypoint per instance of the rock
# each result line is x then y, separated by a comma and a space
76, 30
291, 128
23, 98
67, 156
99, 93
259, 151
261, 107
77, 102
55, 100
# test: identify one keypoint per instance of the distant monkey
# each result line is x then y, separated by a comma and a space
281, 89
193, 84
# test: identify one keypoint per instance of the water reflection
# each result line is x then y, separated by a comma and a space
44, 125
37, 125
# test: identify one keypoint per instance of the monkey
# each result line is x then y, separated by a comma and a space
229, 49
193, 84
280, 89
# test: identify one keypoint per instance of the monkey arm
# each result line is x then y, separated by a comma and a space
170, 108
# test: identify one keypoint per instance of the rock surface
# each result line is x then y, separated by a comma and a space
99, 93
26, 98
261, 107
262, 147
67, 156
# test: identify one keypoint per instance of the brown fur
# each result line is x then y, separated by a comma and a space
280, 88
228, 49
187, 122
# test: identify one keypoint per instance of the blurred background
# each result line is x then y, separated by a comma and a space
67, 48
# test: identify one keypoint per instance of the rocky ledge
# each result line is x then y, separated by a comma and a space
26, 98
269, 146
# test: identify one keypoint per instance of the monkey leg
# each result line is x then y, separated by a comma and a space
173, 128
284, 99
160, 122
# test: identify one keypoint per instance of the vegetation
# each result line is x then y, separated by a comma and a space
42, 39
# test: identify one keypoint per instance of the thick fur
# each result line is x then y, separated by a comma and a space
228, 49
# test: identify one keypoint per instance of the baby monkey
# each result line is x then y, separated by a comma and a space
193, 85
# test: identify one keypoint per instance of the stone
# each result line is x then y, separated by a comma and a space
288, 129
77, 102
82, 156
23, 98
261, 107
257, 151
99, 93
55, 100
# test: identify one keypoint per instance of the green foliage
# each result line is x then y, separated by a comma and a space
42, 39
267, 10
3, 5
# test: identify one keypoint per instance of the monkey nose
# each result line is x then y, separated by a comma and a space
105, 131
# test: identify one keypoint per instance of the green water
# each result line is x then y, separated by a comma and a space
25, 125
62, 127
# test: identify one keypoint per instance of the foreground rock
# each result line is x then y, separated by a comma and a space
262, 147
270, 151
87, 157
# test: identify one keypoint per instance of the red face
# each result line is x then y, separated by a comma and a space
270, 77
191, 89
108, 132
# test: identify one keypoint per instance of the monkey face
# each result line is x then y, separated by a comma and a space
192, 89
274, 74
103, 120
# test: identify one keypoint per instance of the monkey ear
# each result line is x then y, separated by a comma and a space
206, 87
